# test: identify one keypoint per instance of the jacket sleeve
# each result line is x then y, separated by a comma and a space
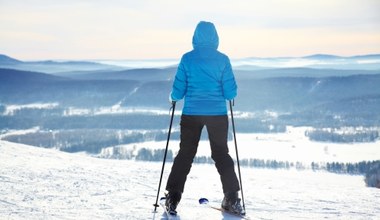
180, 83
228, 82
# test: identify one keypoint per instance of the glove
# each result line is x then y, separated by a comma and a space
170, 99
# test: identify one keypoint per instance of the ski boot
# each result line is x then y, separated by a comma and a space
231, 203
172, 200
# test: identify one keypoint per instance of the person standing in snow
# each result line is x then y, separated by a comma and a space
205, 80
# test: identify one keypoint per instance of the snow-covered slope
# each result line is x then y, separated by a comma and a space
41, 183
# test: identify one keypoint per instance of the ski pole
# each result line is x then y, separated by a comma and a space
164, 160
237, 154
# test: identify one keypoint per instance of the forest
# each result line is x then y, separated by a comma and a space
369, 169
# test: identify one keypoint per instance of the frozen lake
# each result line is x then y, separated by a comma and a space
41, 183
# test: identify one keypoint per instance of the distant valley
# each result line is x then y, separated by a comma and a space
106, 99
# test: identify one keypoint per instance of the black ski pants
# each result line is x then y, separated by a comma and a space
191, 129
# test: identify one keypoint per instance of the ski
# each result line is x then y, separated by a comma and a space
205, 202
169, 215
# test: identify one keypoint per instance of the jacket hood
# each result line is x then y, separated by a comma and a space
205, 35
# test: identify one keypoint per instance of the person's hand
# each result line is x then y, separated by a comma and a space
171, 101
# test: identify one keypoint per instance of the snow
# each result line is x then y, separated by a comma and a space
291, 146
19, 132
11, 109
38, 183
294, 146
115, 109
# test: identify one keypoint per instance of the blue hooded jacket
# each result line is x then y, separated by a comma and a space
204, 76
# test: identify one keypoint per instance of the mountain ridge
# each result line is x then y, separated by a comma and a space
250, 63
4, 59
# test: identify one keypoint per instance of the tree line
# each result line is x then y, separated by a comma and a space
336, 136
370, 169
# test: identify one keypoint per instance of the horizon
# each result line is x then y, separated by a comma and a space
361, 61
169, 59
123, 30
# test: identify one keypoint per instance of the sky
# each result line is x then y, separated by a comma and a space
163, 29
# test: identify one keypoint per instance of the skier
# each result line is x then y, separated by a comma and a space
205, 80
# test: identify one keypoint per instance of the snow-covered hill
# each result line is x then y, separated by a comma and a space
39, 183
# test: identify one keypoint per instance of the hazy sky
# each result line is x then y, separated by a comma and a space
155, 29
